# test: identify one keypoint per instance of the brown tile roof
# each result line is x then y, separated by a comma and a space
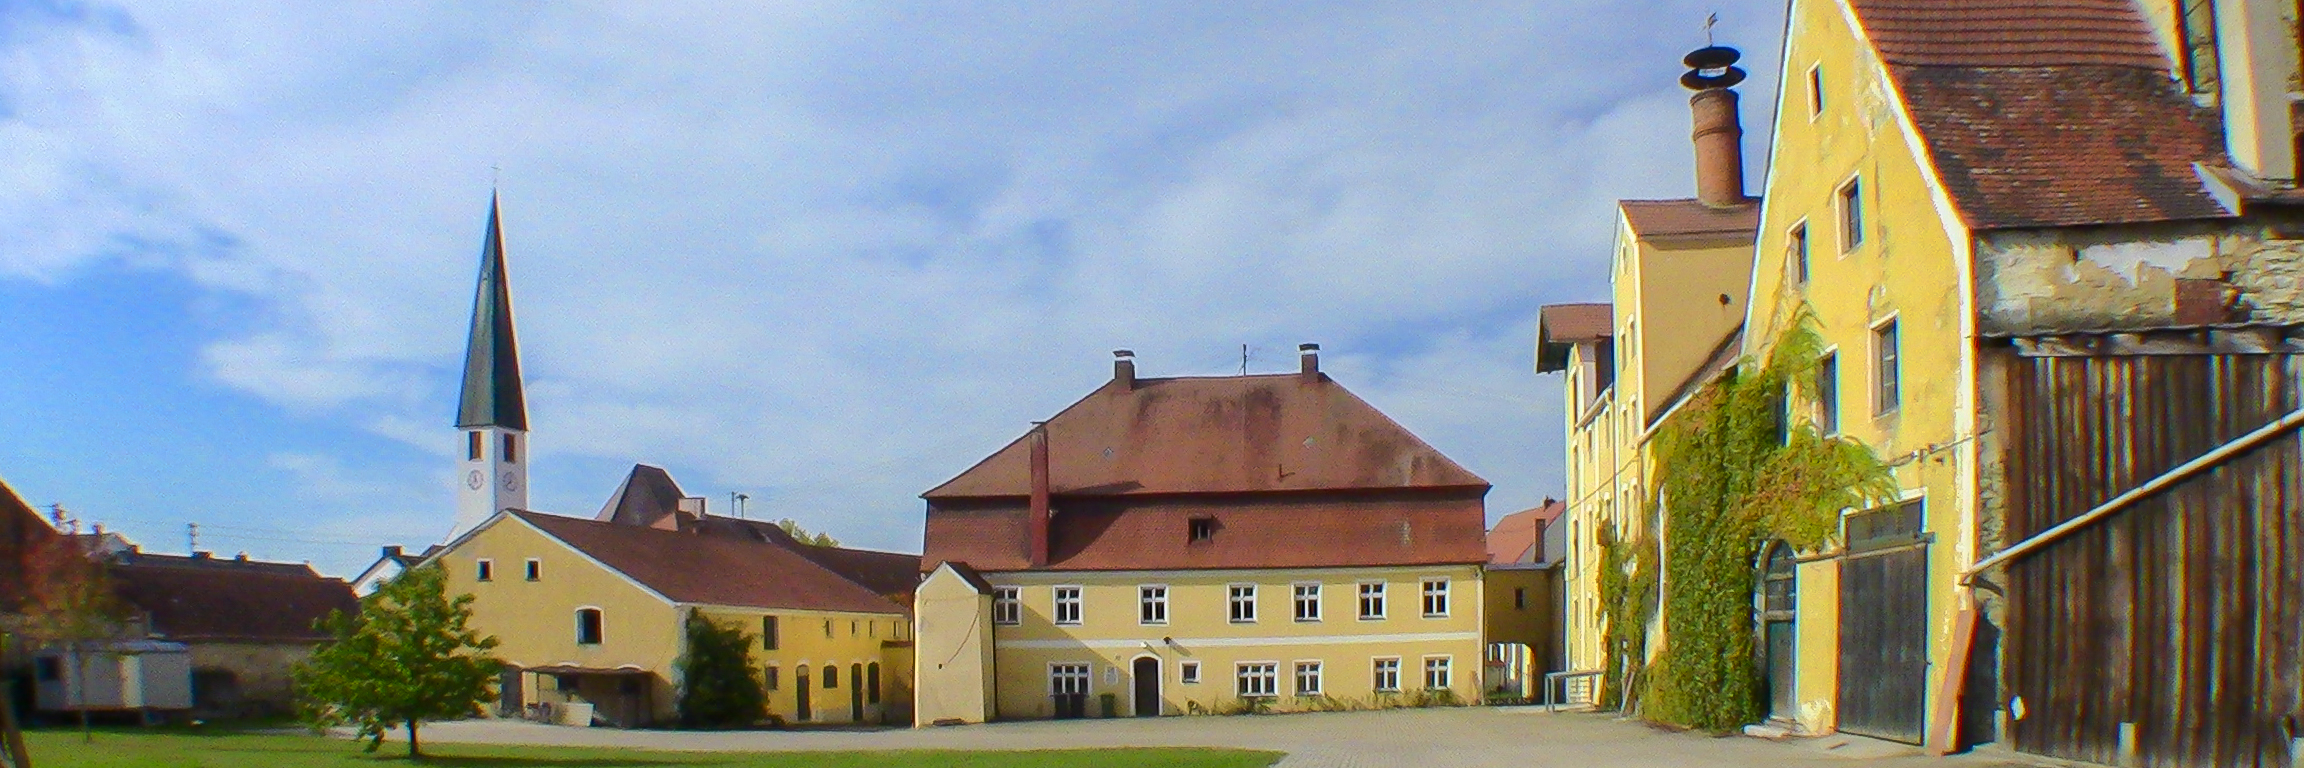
1689, 217
205, 599
694, 567
2043, 113
1559, 326
1515, 537
646, 495
2011, 33
1216, 435
885, 573
1326, 530
22, 533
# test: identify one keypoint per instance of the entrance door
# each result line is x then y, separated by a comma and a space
1778, 590
800, 710
1884, 626
1147, 674
509, 697
856, 693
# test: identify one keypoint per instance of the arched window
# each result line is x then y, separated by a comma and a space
587, 626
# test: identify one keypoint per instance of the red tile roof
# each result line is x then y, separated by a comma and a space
1216, 435
1576, 322
1515, 537
2046, 113
1690, 217
696, 567
205, 599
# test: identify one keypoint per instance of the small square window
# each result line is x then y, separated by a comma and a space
831, 676
771, 678
588, 629
1188, 672
1436, 673
535, 569
1203, 528
486, 571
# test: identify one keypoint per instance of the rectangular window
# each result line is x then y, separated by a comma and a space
1886, 368
1828, 394
1152, 604
588, 630
511, 454
872, 683
827, 629
486, 571
1851, 215
1520, 598
852, 627
1259, 679
768, 633
1371, 600
1436, 672
1388, 674
1435, 598
831, 675
1068, 679
1307, 602
1243, 603
1067, 605
2196, 26
1203, 528
1188, 672
772, 677
1007, 605
1799, 246
1307, 678
474, 445
535, 569
1815, 90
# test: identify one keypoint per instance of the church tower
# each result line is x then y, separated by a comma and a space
492, 412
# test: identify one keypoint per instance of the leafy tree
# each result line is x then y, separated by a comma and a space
407, 657
70, 603
720, 687
803, 536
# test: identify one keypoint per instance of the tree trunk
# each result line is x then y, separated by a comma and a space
413, 754
9, 732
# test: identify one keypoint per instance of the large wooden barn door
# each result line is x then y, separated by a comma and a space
1884, 626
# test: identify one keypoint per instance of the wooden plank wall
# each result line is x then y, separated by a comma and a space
2184, 614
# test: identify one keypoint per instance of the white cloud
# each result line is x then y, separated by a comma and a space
832, 255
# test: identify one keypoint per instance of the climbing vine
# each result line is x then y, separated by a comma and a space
1627, 605
1739, 466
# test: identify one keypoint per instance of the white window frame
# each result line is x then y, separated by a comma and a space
1247, 675
1188, 672
1058, 601
1829, 402
1008, 606
1152, 604
1446, 669
1851, 230
1379, 593
1308, 669
532, 569
1378, 670
1241, 609
1815, 91
1060, 671
1302, 600
578, 615
1880, 405
484, 569
1803, 257
1427, 596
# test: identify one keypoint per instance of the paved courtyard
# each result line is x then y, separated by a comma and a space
1458, 738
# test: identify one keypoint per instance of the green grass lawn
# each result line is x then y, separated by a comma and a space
180, 749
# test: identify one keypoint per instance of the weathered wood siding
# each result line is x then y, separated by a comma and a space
2180, 620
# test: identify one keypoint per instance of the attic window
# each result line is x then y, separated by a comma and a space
1203, 528
535, 569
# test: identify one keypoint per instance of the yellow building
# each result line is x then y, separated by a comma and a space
591, 612
1201, 545
1963, 192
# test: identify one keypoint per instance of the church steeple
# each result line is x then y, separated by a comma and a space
492, 393
492, 412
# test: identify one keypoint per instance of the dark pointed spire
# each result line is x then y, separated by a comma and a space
492, 394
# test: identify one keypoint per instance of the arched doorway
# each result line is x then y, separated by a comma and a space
855, 693
1779, 593
1146, 672
800, 710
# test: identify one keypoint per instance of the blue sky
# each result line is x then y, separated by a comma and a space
827, 255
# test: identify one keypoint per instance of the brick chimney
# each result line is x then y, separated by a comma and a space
1038, 521
392, 551
1719, 133
1309, 356
1124, 369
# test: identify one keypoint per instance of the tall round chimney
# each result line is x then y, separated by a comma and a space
1719, 134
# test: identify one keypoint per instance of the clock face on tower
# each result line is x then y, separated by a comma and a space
475, 480
511, 481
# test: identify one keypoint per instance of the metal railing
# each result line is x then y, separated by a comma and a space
1570, 689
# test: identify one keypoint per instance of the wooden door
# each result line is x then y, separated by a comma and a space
800, 708
1884, 626
1147, 678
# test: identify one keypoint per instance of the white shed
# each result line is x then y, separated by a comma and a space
129, 675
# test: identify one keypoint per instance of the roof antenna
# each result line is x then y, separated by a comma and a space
1708, 22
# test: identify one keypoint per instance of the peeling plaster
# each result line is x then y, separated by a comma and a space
2070, 280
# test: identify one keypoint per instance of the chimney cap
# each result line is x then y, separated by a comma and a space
1307, 348
1124, 354
1711, 67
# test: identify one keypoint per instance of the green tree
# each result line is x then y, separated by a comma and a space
70, 604
803, 536
719, 685
408, 656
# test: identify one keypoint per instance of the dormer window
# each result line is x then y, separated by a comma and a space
1203, 528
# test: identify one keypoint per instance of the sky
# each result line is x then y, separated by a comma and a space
826, 255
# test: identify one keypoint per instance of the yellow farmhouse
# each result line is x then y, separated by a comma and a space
1201, 545
590, 613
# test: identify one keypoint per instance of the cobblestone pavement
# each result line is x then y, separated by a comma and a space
1457, 738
